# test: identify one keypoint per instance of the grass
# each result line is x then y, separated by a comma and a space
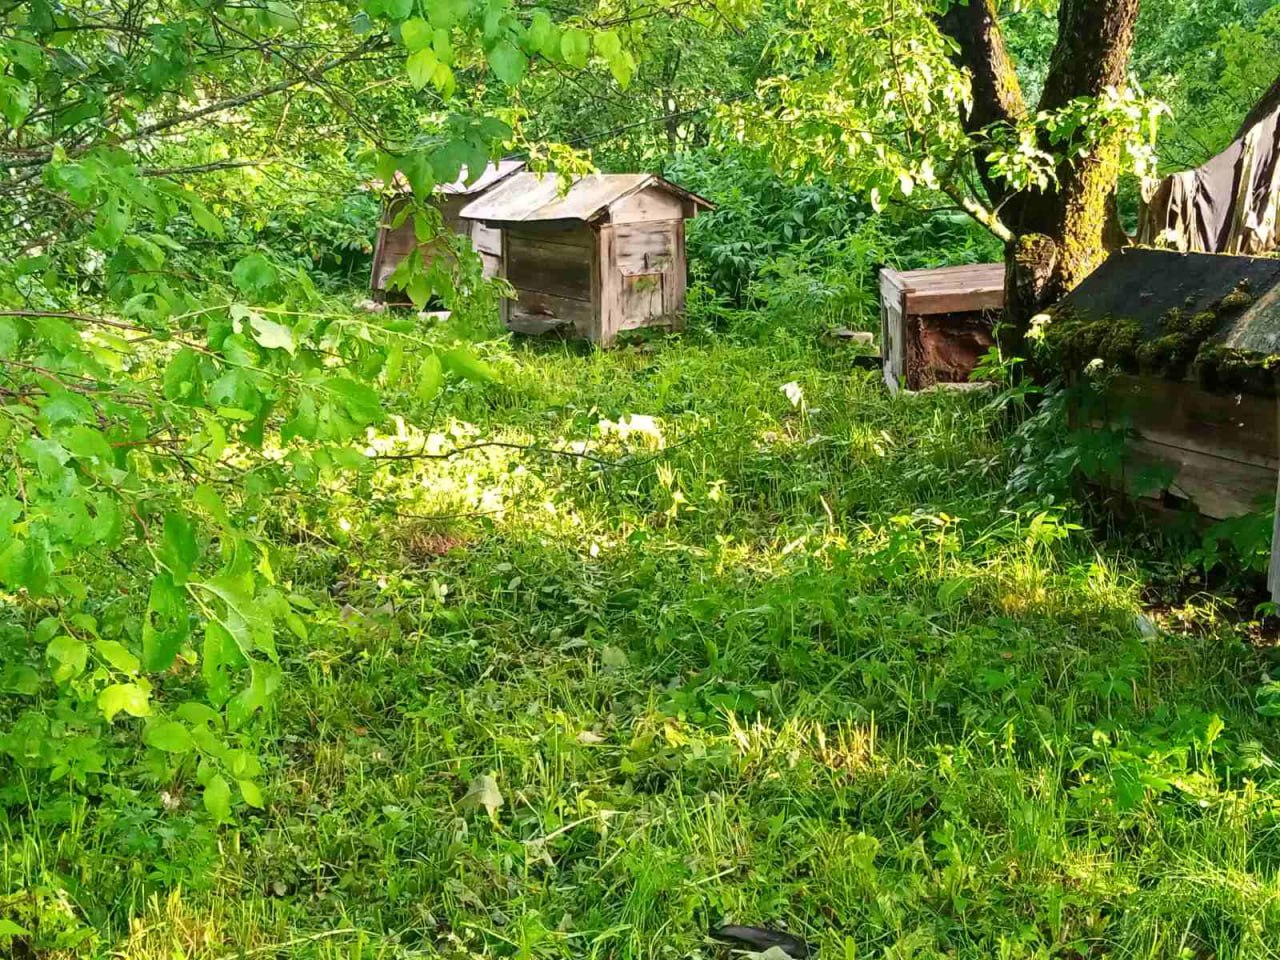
789, 656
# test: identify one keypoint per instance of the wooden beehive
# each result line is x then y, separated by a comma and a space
604, 256
395, 242
935, 325
1190, 334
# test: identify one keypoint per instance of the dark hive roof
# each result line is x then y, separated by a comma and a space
1144, 285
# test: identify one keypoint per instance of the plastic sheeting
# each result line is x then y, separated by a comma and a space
1228, 205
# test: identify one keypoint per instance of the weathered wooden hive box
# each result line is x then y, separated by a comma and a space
1194, 337
604, 256
935, 325
394, 242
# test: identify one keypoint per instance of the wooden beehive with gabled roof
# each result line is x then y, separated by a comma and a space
396, 240
602, 256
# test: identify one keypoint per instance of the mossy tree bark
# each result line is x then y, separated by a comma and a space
1057, 235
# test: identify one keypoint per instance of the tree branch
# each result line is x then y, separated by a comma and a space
997, 95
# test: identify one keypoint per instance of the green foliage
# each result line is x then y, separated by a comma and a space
172, 367
331, 632
803, 254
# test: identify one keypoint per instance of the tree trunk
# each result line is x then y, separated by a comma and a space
1061, 234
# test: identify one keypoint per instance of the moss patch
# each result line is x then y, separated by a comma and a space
1183, 344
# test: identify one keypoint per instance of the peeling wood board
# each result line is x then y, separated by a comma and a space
1218, 487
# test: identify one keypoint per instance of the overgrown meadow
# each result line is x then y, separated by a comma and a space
591, 652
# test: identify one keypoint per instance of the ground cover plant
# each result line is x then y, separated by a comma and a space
736, 636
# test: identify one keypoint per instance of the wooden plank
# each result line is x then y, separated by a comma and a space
921, 303
641, 299
978, 286
597, 331
554, 268
532, 306
484, 238
1239, 427
1218, 487
570, 233
675, 287
609, 288
988, 276
644, 248
893, 330
645, 206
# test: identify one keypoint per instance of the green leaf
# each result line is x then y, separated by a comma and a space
87, 444
464, 363
360, 400
111, 223
508, 62
607, 44
264, 682
442, 46
420, 67
182, 378
430, 378
217, 654
167, 625
443, 80
118, 656
397, 9
623, 68
445, 13
178, 548
10, 335
71, 655
419, 290
251, 793
247, 621
169, 736
198, 714
20, 679
217, 798
305, 421
208, 500
10, 929
416, 34
575, 47
1126, 782
204, 217
254, 274
127, 698
272, 335
280, 15
541, 31
395, 363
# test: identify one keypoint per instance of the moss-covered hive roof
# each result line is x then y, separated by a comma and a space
1145, 286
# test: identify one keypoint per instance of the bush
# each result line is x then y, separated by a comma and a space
778, 252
